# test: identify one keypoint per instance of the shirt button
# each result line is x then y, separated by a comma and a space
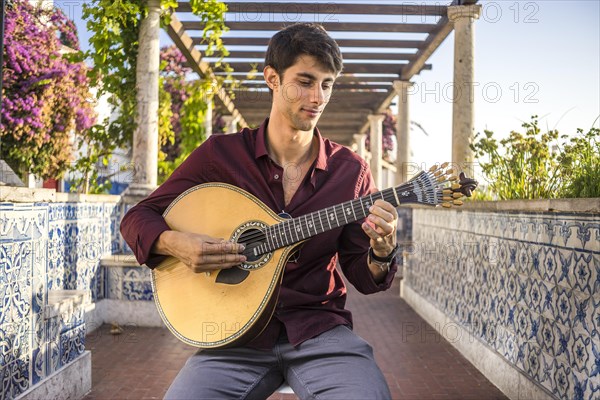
276, 176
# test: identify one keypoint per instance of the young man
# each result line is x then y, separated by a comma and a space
289, 166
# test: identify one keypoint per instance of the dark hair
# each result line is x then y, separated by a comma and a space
303, 39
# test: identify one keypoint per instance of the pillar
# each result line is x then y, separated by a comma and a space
145, 137
402, 131
208, 121
231, 123
361, 148
463, 113
376, 125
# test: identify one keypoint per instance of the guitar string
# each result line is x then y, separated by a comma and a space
286, 228
434, 189
338, 209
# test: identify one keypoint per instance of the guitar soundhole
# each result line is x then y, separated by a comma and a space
252, 236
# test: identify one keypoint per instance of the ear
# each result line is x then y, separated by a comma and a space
271, 77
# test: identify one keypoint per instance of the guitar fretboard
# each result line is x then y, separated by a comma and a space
301, 228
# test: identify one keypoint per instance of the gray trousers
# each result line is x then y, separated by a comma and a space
337, 364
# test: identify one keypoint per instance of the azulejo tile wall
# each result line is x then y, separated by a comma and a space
46, 247
525, 284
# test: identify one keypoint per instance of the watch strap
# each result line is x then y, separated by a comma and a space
387, 259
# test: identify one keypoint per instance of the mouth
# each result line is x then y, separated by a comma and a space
312, 112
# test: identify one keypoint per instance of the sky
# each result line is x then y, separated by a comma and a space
531, 58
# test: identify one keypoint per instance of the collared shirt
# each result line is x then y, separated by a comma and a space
313, 295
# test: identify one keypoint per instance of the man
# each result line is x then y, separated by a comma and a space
289, 166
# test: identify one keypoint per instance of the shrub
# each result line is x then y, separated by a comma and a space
534, 166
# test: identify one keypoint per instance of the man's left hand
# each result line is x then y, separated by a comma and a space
380, 226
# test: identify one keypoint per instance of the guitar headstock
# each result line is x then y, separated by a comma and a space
453, 187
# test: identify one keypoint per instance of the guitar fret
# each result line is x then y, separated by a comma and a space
344, 213
280, 233
307, 226
353, 212
363, 206
295, 229
286, 232
275, 237
268, 236
336, 217
321, 221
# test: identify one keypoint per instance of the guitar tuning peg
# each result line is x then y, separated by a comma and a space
447, 198
450, 171
446, 205
447, 192
438, 173
455, 186
441, 178
433, 168
444, 165
457, 202
457, 195
453, 178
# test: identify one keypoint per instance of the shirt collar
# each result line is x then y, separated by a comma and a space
260, 147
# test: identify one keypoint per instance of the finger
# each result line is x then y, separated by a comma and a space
212, 267
382, 226
371, 233
380, 212
388, 207
223, 258
222, 248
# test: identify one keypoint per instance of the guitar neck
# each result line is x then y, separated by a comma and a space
291, 231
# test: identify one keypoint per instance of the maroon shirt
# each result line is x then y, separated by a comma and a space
313, 294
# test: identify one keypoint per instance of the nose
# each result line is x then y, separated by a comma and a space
319, 95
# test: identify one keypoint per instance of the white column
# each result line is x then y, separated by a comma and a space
376, 125
231, 123
145, 137
403, 131
361, 148
208, 121
463, 114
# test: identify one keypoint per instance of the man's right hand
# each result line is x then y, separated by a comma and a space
201, 253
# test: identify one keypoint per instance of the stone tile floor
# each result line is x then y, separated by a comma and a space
418, 363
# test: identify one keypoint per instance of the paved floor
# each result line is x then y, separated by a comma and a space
418, 363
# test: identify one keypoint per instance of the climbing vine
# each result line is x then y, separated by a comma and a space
114, 46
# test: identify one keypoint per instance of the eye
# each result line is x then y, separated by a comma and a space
306, 83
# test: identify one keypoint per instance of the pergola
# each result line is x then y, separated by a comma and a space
381, 56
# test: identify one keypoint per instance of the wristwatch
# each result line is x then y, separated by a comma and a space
382, 262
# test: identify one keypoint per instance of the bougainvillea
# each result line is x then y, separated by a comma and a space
45, 95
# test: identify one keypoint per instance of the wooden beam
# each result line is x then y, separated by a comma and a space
347, 56
328, 9
433, 41
385, 27
194, 57
354, 68
229, 40
343, 78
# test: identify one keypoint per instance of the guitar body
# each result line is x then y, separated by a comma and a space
222, 308
232, 306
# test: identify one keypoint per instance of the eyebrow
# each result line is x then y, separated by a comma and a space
310, 76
